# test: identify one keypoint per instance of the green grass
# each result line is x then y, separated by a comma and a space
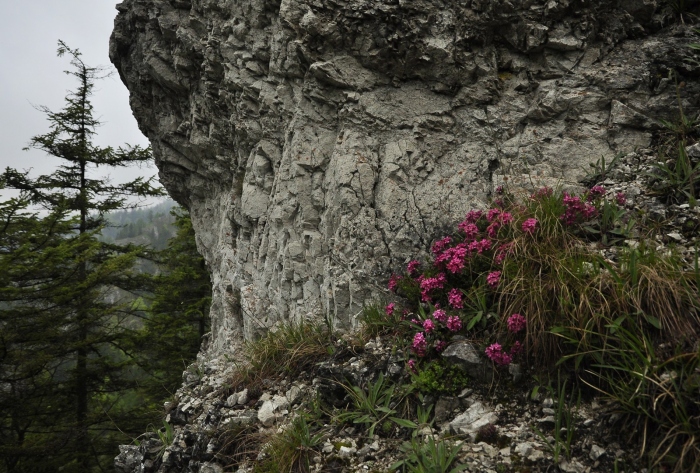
293, 449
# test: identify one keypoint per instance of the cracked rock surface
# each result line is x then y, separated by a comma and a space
319, 144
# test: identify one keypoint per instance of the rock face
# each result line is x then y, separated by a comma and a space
319, 144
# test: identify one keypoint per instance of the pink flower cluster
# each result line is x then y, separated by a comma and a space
420, 344
440, 245
493, 279
429, 284
454, 324
596, 192
496, 354
454, 298
389, 309
454, 257
440, 315
393, 282
470, 229
516, 323
620, 199
576, 210
479, 246
529, 225
412, 267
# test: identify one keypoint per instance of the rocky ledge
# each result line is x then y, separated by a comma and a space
506, 425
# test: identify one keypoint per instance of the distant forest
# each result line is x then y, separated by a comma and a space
151, 226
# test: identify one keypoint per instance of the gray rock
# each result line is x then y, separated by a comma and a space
465, 355
242, 397
272, 410
315, 156
128, 460
596, 452
444, 407
207, 467
572, 466
478, 415
232, 400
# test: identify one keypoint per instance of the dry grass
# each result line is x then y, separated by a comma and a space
287, 351
559, 281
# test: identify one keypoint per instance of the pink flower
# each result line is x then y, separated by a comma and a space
492, 230
412, 267
470, 229
506, 218
440, 315
454, 298
502, 252
393, 282
412, 365
529, 225
499, 190
596, 192
473, 216
516, 323
428, 325
492, 214
454, 324
516, 348
620, 199
389, 309
428, 284
440, 345
480, 246
542, 192
493, 279
493, 349
576, 210
420, 345
454, 257
440, 245
495, 353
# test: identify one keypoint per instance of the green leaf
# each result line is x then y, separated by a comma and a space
404, 422
653, 321
474, 320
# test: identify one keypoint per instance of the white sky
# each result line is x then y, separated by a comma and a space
32, 74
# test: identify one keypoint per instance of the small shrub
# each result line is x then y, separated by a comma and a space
440, 378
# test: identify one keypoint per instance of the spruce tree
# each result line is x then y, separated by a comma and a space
178, 316
89, 350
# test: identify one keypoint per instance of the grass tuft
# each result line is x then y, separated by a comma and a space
287, 351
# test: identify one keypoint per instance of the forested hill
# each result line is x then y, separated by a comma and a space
151, 226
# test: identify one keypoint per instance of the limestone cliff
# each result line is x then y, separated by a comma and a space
319, 144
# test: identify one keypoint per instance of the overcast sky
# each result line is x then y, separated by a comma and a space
31, 74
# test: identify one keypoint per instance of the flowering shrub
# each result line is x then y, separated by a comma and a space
460, 289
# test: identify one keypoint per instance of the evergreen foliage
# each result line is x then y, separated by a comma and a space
178, 315
66, 366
